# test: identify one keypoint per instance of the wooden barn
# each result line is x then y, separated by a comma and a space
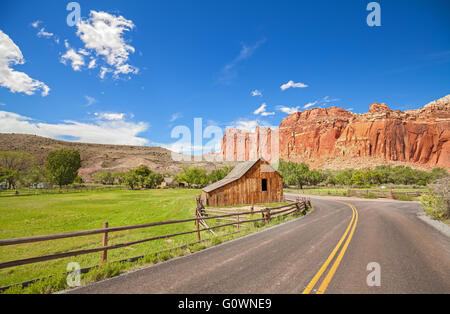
251, 182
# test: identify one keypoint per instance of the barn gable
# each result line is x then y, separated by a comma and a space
249, 182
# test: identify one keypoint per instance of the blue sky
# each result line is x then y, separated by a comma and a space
168, 62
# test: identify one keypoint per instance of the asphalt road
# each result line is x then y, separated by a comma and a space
413, 257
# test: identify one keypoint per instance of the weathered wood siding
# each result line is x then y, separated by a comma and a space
248, 189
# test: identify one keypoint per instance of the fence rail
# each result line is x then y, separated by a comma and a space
56, 190
387, 193
301, 205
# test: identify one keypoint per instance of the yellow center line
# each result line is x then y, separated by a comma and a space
322, 269
338, 260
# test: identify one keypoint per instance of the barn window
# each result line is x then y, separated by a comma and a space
264, 185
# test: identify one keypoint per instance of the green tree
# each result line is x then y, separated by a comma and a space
344, 177
131, 179
104, 177
438, 173
192, 176
293, 173
14, 165
62, 166
219, 174
314, 177
357, 178
34, 175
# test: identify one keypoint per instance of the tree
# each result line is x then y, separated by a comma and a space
131, 179
344, 177
438, 173
62, 166
293, 173
219, 174
314, 177
104, 177
14, 164
192, 176
34, 175
141, 177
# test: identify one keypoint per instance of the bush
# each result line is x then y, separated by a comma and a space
437, 203
402, 197
370, 195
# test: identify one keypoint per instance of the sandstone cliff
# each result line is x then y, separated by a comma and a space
335, 138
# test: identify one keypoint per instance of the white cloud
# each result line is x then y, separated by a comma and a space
43, 33
262, 111
288, 110
83, 52
90, 100
119, 132
350, 109
92, 64
291, 84
256, 93
103, 72
249, 125
112, 116
175, 116
76, 59
321, 102
16, 81
229, 72
2, 104
310, 104
35, 24
103, 33
327, 100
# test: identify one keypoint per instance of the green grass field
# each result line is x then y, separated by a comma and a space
48, 214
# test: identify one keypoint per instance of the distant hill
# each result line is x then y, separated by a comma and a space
100, 157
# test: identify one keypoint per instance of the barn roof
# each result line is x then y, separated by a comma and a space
234, 175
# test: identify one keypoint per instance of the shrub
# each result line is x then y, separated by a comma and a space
370, 195
437, 203
402, 197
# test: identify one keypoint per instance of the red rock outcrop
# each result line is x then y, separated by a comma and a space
335, 138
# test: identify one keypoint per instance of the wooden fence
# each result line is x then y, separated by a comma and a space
299, 206
387, 193
56, 190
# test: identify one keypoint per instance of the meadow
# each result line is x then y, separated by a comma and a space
23, 216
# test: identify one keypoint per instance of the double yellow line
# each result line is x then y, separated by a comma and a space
323, 286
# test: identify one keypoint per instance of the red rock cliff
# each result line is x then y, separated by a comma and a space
335, 138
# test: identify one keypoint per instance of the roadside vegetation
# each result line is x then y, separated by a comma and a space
300, 175
437, 203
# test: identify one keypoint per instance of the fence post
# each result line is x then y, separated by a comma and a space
105, 243
197, 224
237, 222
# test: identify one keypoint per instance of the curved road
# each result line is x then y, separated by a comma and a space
289, 258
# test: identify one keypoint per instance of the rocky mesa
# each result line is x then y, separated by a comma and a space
334, 138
